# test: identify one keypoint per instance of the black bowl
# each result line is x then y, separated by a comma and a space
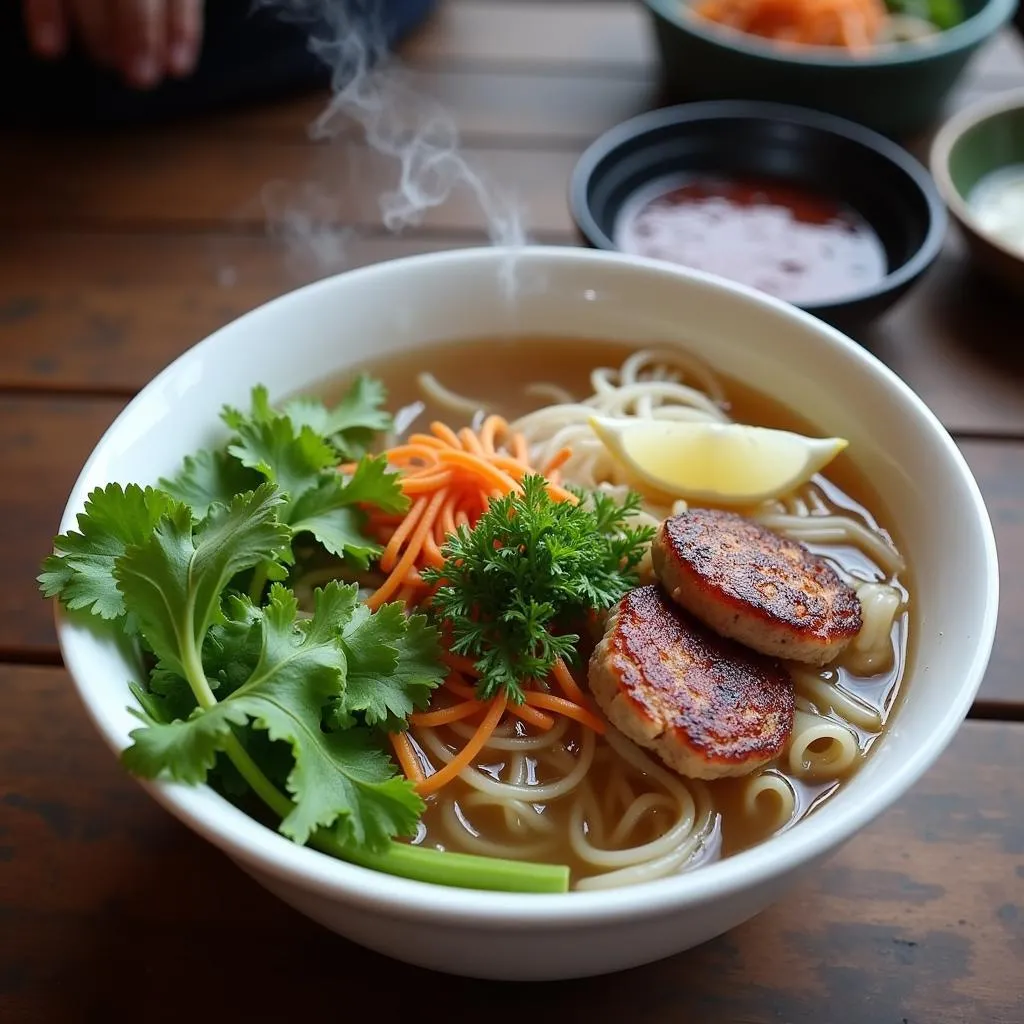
833, 157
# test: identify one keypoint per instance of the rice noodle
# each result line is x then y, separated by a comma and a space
625, 816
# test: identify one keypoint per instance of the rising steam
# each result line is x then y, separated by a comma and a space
375, 94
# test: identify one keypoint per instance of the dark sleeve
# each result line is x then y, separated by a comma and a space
248, 56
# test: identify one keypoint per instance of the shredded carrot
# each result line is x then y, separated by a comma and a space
402, 746
449, 478
853, 25
406, 562
569, 685
459, 663
548, 701
464, 758
532, 716
452, 713
560, 458
446, 434
390, 555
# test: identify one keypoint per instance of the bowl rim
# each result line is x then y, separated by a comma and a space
969, 33
607, 146
941, 149
273, 856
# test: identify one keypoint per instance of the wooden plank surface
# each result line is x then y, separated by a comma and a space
46, 439
114, 911
212, 178
143, 182
111, 310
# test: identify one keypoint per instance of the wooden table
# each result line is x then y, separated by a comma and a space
116, 255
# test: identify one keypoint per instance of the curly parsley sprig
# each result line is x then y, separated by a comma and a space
511, 588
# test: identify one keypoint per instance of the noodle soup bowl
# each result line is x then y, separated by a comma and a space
298, 341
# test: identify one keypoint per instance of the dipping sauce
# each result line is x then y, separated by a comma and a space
997, 202
789, 242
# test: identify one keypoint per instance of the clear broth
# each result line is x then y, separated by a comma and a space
495, 371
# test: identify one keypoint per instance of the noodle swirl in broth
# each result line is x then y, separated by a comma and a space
599, 803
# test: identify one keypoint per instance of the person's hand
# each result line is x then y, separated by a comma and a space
144, 41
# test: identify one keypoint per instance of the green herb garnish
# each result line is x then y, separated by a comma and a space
512, 588
242, 689
943, 14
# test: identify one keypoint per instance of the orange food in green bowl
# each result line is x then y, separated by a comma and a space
886, 64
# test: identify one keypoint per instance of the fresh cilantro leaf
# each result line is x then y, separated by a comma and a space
511, 588
352, 424
297, 452
393, 665
419, 671
290, 458
80, 570
210, 477
174, 579
153, 706
330, 510
170, 696
233, 647
373, 483
340, 780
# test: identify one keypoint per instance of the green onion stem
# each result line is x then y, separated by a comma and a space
461, 870
401, 859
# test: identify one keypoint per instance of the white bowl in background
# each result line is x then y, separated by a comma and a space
931, 501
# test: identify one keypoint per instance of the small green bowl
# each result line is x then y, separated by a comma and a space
899, 91
983, 139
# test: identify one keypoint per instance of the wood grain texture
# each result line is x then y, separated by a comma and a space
211, 179
112, 910
110, 310
45, 440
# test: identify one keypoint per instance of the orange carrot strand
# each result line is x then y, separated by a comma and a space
531, 716
561, 706
464, 758
446, 434
407, 759
390, 555
560, 458
444, 716
568, 685
405, 563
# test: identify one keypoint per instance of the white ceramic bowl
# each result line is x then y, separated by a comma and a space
930, 495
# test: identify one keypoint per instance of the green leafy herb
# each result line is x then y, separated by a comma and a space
943, 14
352, 424
511, 588
80, 570
243, 689
393, 664
173, 581
298, 447
208, 478
340, 779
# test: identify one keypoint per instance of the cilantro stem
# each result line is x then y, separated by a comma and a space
192, 663
259, 581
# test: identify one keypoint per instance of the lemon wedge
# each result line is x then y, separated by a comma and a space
716, 463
